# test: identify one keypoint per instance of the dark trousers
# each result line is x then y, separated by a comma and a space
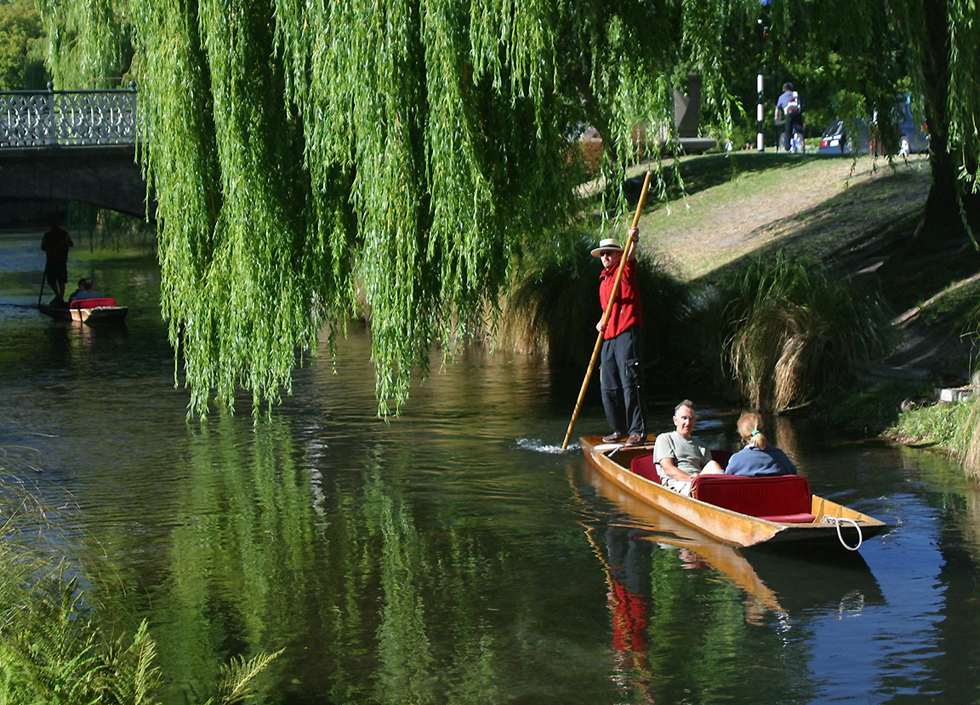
56, 272
619, 379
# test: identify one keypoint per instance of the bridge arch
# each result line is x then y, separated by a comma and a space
59, 146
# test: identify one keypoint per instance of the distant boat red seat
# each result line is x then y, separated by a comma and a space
93, 302
784, 498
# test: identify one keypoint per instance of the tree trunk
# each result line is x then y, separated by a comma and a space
942, 221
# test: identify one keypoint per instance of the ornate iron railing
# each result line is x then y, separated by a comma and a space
67, 118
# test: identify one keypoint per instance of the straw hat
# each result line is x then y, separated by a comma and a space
607, 245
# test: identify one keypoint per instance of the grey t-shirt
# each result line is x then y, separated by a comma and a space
689, 454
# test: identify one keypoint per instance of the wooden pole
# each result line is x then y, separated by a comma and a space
44, 275
627, 253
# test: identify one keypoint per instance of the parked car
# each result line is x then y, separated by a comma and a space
912, 138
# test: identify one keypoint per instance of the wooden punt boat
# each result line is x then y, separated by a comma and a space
827, 524
100, 311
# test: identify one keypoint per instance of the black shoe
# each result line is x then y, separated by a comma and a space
614, 437
635, 439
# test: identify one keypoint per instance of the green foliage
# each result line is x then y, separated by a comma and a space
89, 43
22, 44
303, 151
789, 330
954, 427
53, 648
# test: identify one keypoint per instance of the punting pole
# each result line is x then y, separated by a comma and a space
627, 253
44, 276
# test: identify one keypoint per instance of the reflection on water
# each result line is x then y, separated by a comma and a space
451, 555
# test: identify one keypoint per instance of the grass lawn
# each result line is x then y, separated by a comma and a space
735, 205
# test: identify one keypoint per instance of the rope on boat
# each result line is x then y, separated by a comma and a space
837, 521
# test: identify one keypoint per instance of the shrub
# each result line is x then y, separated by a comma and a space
53, 648
785, 330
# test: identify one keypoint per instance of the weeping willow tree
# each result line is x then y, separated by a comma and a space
305, 154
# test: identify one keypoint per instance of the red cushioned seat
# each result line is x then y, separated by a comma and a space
93, 302
781, 496
643, 466
791, 518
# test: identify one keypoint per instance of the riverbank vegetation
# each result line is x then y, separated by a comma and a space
55, 645
951, 427
786, 331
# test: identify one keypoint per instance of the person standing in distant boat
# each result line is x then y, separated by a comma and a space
757, 458
56, 243
680, 456
619, 361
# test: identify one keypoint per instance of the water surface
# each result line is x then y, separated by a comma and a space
450, 556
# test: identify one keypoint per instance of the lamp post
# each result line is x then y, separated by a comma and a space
759, 140
763, 23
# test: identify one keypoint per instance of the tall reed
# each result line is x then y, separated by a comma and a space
786, 329
968, 440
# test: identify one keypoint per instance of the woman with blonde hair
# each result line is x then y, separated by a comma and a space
757, 457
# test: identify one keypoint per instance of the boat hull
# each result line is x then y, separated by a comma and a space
723, 524
100, 315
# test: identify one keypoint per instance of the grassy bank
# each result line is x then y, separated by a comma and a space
754, 202
858, 343
953, 428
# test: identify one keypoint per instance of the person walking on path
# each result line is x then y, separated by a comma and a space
790, 109
56, 243
619, 362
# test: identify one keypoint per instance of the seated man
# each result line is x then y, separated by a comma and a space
679, 456
84, 291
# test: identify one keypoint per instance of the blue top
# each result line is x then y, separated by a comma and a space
755, 462
788, 97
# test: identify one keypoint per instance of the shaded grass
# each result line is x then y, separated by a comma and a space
871, 407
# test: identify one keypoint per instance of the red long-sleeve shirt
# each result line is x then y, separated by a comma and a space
626, 311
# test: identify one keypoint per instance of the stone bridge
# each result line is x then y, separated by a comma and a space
60, 146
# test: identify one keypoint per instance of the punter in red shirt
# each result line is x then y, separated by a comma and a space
619, 371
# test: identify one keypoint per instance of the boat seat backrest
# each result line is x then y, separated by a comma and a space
94, 302
756, 496
643, 466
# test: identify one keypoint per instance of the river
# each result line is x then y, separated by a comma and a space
451, 555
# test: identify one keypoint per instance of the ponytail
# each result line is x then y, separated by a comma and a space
758, 439
750, 429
